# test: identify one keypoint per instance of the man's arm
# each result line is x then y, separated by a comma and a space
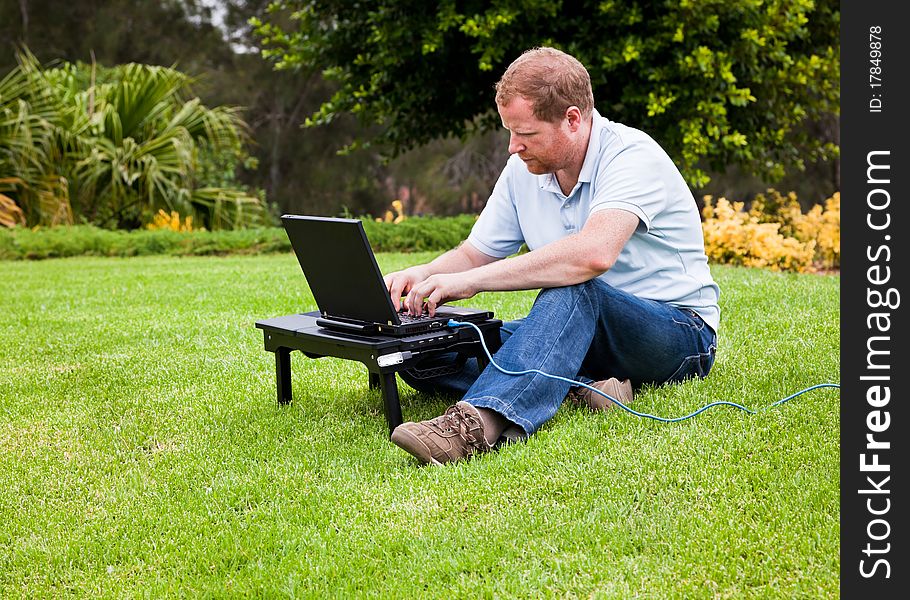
462, 258
573, 259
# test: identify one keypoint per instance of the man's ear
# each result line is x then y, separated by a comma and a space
573, 116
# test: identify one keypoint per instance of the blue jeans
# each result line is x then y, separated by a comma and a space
588, 332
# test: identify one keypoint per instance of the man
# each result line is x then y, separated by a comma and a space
615, 245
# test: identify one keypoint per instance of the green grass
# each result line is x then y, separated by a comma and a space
142, 453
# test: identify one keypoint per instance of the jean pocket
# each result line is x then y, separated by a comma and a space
697, 365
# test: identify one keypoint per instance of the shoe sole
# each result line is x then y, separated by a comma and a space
413, 445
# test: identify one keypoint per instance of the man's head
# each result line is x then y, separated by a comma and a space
550, 80
545, 100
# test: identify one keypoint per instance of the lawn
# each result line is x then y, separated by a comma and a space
142, 453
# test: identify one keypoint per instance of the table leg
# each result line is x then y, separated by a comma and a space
283, 375
391, 402
374, 381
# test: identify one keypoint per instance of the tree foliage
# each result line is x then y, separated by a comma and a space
111, 146
717, 82
299, 171
163, 32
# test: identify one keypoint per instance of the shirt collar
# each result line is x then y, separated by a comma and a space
587, 167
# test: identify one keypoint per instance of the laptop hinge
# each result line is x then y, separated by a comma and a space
358, 327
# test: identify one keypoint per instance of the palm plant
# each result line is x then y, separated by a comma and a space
128, 143
29, 118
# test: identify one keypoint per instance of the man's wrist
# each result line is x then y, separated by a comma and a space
422, 272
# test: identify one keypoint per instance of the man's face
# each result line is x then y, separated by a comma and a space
544, 147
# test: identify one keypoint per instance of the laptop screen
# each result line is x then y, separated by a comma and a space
340, 268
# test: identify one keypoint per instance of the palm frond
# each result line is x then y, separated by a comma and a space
125, 145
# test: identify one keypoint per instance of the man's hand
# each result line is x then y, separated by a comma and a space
440, 275
438, 289
400, 283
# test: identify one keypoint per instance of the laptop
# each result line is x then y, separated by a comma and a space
341, 270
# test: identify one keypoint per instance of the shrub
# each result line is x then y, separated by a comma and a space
823, 225
171, 221
774, 233
111, 146
411, 235
418, 234
771, 234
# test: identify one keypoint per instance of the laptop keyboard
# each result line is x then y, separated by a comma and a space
408, 318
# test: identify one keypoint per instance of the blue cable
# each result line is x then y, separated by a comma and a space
454, 323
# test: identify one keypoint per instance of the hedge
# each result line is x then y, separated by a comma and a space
411, 235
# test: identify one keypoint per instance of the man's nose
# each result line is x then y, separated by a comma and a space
514, 145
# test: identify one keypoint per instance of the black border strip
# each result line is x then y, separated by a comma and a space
873, 285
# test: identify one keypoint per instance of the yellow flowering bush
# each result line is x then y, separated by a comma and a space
172, 222
396, 217
824, 226
774, 233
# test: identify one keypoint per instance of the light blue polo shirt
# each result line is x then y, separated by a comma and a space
624, 168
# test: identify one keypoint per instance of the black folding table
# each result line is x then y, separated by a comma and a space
383, 355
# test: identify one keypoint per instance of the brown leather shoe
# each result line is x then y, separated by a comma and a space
621, 391
453, 436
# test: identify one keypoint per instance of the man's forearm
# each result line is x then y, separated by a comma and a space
466, 271
555, 265
567, 261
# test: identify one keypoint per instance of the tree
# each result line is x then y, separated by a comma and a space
165, 32
716, 82
301, 171
30, 116
119, 143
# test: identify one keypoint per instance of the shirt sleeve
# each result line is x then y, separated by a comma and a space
632, 181
497, 232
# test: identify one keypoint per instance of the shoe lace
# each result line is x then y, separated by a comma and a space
466, 425
576, 395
